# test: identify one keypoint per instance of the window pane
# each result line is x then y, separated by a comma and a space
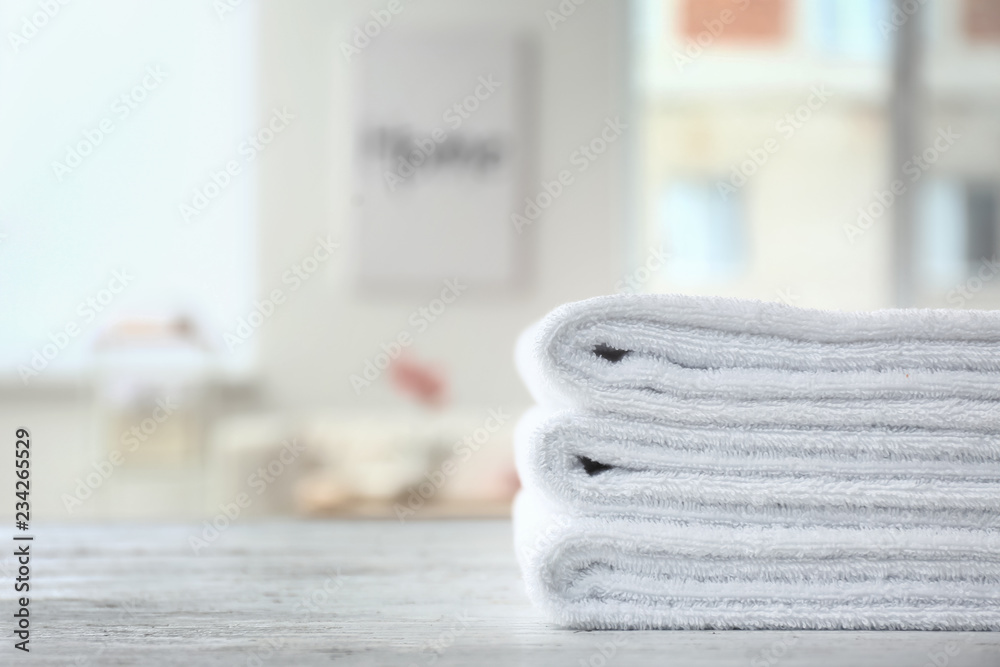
982, 222
942, 233
701, 230
854, 29
119, 163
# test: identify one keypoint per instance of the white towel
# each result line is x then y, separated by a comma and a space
716, 463
609, 464
712, 361
607, 572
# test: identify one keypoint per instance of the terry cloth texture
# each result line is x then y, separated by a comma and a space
704, 462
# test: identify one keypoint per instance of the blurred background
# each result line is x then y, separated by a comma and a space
263, 257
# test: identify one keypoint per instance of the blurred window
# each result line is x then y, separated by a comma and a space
958, 229
848, 28
126, 148
981, 221
701, 230
941, 232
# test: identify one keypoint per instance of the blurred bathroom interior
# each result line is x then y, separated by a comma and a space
281, 250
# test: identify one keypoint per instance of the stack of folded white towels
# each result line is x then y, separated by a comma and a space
720, 463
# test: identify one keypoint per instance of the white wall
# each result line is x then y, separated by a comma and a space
328, 329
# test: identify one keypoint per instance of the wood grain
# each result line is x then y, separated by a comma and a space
378, 593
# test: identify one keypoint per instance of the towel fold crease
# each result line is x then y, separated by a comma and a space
720, 463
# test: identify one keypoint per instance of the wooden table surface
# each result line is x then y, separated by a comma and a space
365, 593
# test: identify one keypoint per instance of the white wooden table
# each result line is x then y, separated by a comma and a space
365, 593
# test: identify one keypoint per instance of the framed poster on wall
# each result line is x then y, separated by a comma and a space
441, 159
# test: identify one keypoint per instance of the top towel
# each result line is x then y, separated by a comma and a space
708, 360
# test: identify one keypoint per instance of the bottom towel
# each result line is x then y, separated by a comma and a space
615, 573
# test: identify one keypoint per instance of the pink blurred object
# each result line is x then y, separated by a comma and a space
422, 381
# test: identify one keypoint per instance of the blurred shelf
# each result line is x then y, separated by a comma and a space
378, 509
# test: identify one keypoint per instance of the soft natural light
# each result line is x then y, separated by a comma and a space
95, 170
